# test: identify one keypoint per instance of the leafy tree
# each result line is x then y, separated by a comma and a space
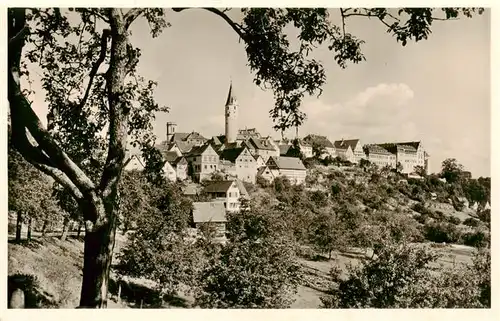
134, 200
29, 193
420, 170
92, 114
451, 170
256, 269
399, 167
326, 234
158, 249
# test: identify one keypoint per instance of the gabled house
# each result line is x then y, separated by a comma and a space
203, 162
244, 163
283, 149
193, 138
135, 162
178, 163
259, 161
229, 192
263, 147
212, 213
180, 147
290, 167
267, 173
350, 149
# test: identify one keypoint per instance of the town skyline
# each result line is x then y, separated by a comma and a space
420, 92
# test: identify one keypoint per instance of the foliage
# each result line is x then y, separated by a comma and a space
401, 277
255, 269
484, 215
472, 222
440, 232
29, 191
158, 249
451, 170
477, 238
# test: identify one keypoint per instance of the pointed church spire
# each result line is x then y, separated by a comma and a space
230, 98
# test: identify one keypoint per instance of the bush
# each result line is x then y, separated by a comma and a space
442, 232
484, 216
335, 189
472, 222
420, 207
262, 182
454, 220
477, 239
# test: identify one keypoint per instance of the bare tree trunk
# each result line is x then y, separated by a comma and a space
29, 229
119, 299
79, 229
65, 229
44, 227
19, 225
98, 252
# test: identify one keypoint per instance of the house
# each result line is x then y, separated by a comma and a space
178, 163
180, 147
203, 162
191, 190
323, 142
306, 148
259, 161
267, 173
245, 134
262, 147
193, 138
290, 167
212, 213
244, 163
169, 171
135, 162
409, 155
229, 192
283, 149
350, 149
379, 156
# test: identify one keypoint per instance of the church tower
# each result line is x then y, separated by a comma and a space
231, 116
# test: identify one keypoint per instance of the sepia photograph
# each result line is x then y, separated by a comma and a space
248, 158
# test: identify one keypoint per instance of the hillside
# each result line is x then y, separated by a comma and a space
56, 264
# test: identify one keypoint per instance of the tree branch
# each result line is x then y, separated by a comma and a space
236, 27
131, 15
95, 67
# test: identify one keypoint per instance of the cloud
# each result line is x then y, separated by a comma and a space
376, 113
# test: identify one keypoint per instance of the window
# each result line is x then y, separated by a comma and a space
205, 166
230, 194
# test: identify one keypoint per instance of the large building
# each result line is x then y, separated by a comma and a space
409, 155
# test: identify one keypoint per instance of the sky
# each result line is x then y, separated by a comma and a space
436, 91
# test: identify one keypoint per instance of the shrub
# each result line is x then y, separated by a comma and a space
477, 239
472, 222
484, 216
454, 220
335, 189
442, 232
420, 207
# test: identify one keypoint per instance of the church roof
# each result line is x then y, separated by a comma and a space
230, 96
